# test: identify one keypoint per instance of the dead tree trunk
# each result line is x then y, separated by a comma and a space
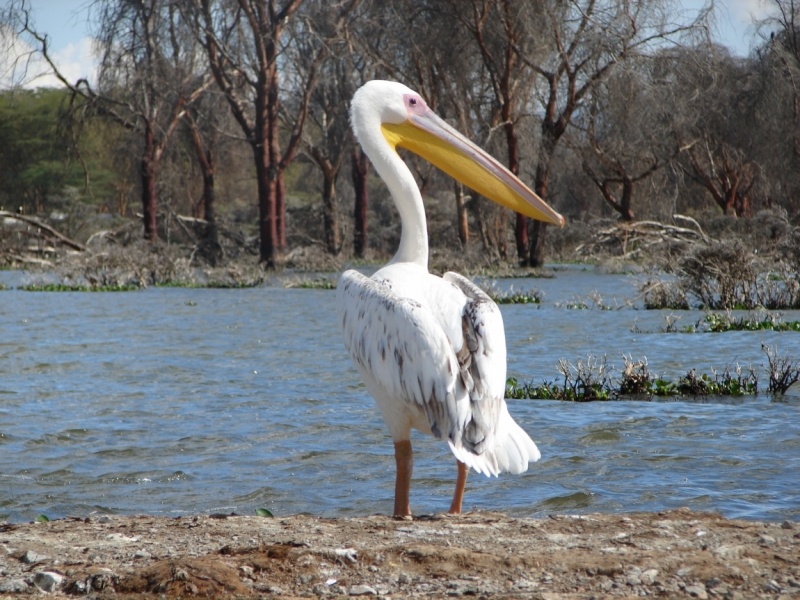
360, 168
461, 214
204, 152
148, 168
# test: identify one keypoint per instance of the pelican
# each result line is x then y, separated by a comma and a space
431, 350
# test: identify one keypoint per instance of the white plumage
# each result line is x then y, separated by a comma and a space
431, 350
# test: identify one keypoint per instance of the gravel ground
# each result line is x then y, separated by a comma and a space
673, 554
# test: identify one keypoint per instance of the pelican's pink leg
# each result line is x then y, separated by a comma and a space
405, 465
461, 483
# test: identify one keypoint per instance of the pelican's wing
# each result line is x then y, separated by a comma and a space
399, 345
490, 430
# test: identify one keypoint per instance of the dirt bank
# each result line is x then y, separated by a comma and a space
670, 554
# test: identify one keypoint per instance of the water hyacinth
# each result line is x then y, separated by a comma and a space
593, 379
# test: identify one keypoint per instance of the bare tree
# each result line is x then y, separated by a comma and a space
329, 139
149, 74
501, 35
725, 172
584, 41
628, 134
442, 72
244, 42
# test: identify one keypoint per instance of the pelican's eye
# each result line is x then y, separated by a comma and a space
415, 104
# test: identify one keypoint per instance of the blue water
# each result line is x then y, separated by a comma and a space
179, 401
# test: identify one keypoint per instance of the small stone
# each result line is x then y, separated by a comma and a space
787, 525
649, 576
362, 590
320, 589
404, 578
734, 595
697, 591
31, 557
47, 581
634, 580
767, 539
247, 571
13, 586
306, 578
142, 554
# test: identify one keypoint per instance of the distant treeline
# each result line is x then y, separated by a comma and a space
238, 111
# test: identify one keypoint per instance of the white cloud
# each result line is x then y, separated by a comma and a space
21, 66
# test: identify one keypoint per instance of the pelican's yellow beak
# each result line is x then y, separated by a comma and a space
434, 140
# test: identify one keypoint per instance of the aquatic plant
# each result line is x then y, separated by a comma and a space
313, 284
720, 322
511, 296
593, 379
728, 383
61, 287
586, 380
783, 371
660, 294
522, 297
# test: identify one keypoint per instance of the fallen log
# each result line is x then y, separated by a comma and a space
37, 223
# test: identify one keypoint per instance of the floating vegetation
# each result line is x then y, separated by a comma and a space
511, 296
522, 297
3, 287
61, 287
722, 322
593, 300
312, 284
593, 379
222, 285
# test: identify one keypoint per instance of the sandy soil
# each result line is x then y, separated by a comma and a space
673, 554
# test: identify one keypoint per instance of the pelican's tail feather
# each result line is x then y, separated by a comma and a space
512, 450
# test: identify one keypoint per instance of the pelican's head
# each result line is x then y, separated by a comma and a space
404, 120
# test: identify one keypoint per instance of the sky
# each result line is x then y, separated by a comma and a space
66, 22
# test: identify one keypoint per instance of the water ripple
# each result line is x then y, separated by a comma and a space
135, 403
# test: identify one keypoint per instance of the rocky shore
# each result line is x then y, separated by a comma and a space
672, 554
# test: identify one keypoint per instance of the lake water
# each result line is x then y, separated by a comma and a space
180, 401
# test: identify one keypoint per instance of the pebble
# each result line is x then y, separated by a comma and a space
787, 525
362, 590
31, 557
649, 576
13, 586
767, 539
140, 554
48, 581
697, 591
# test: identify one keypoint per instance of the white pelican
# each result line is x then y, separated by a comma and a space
432, 350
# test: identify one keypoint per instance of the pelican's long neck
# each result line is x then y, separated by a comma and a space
394, 172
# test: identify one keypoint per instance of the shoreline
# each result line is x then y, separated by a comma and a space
675, 553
